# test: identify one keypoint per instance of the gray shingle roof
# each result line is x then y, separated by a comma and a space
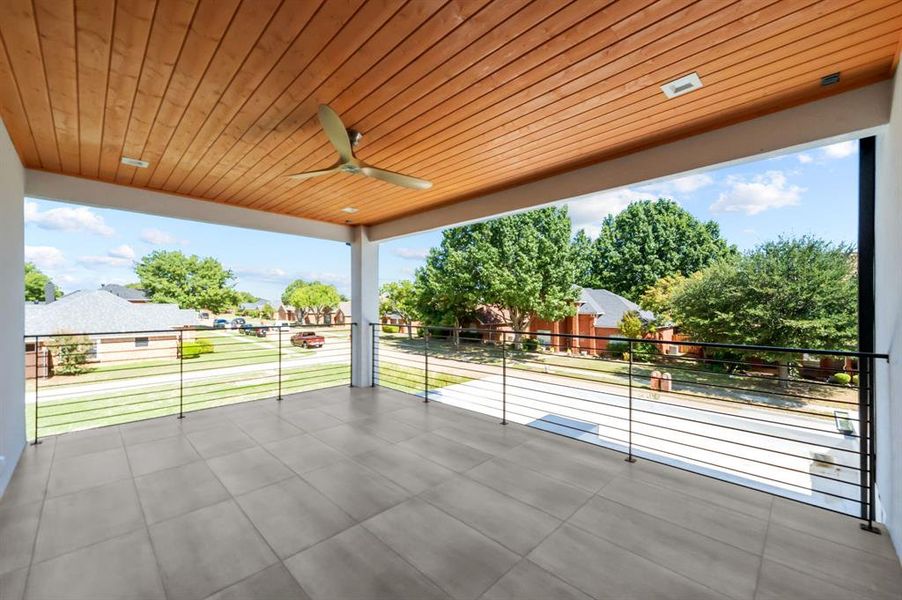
608, 307
124, 292
99, 311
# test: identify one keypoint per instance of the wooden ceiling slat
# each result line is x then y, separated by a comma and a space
521, 140
282, 32
542, 20
478, 95
613, 91
666, 128
248, 25
13, 113
94, 21
208, 27
299, 118
108, 76
297, 103
171, 26
56, 32
546, 93
441, 26
20, 37
327, 21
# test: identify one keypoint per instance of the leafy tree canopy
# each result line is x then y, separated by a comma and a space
792, 292
649, 240
583, 256
244, 297
35, 282
659, 297
189, 281
317, 298
400, 297
290, 289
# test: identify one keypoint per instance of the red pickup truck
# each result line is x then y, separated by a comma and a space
308, 339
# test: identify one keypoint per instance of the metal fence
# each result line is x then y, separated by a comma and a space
794, 422
79, 381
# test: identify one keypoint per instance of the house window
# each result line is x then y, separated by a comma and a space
544, 336
141, 342
91, 353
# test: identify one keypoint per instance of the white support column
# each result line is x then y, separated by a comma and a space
364, 304
12, 299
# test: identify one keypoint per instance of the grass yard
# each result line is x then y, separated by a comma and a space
410, 379
85, 412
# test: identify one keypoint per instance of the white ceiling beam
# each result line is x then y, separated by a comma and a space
851, 114
63, 188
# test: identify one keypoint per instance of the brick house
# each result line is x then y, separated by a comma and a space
598, 314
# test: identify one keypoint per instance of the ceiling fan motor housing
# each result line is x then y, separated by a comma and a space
354, 137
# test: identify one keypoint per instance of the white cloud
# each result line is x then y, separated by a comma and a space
79, 219
411, 253
158, 237
805, 158
268, 274
679, 185
589, 211
763, 192
123, 251
44, 257
840, 150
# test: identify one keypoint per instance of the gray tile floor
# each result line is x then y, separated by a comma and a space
370, 493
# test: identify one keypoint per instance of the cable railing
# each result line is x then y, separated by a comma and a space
794, 422
77, 381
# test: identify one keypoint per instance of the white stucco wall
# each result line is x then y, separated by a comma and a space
888, 383
12, 359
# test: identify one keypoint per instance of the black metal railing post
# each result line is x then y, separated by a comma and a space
867, 443
503, 380
37, 377
181, 374
629, 456
426, 364
279, 397
373, 350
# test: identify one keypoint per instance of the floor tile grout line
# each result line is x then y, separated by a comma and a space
763, 547
153, 549
37, 529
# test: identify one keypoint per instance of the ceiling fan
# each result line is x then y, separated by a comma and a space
344, 140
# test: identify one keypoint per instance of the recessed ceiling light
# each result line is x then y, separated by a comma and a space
681, 86
349, 209
134, 162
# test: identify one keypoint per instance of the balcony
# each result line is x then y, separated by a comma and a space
370, 492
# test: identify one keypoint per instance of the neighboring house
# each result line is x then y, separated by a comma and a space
286, 313
258, 304
126, 293
110, 324
598, 314
339, 316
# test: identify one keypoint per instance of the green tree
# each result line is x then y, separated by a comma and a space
527, 268
316, 298
659, 297
631, 325
35, 282
650, 240
189, 281
792, 292
583, 257
447, 290
290, 289
400, 297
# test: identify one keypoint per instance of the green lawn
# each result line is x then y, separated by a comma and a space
112, 408
410, 379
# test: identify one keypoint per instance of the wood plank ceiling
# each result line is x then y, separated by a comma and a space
220, 96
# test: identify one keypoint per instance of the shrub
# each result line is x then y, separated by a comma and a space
390, 329
206, 345
841, 378
70, 353
530, 344
644, 351
617, 349
191, 349
854, 379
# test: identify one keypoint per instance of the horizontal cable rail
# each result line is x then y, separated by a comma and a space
78, 381
795, 422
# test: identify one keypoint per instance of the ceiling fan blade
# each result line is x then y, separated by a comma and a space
336, 131
309, 174
396, 178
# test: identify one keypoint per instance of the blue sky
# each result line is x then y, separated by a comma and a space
814, 192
